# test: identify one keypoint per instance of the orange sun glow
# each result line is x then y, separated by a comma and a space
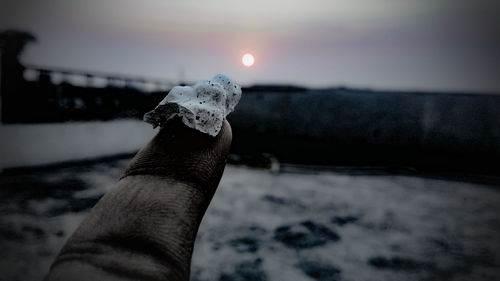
248, 59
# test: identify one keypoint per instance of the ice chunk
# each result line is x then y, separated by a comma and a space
202, 107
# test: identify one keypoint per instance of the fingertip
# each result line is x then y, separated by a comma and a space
182, 153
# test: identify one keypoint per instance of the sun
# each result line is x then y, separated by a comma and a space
248, 59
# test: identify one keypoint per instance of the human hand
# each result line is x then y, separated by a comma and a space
144, 228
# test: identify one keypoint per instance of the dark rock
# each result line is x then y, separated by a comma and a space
395, 247
246, 271
440, 244
257, 229
216, 246
34, 230
289, 203
396, 263
307, 234
321, 231
7, 233
245, 245
274, 199
319, 271
340, 221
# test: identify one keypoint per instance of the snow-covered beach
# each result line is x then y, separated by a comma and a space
292, 224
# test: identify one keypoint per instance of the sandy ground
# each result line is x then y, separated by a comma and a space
289, 225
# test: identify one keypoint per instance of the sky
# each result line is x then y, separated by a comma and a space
431, 45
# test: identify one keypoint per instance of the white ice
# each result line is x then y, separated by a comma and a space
202, 107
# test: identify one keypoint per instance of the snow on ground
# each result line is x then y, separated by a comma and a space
330, 226
39, 144
264, 225
261, 225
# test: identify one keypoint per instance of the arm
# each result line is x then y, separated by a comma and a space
145, 226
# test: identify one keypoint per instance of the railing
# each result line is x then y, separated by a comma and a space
95, 79
33, 94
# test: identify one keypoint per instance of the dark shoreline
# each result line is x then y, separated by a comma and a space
265, 161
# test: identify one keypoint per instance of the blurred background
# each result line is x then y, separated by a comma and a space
365, 146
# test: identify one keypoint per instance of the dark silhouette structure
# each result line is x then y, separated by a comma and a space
348, 127
336, 126
41, 100
12, 43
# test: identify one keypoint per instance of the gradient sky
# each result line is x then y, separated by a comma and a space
381, 44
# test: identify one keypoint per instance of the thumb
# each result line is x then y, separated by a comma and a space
180, 153
145, 227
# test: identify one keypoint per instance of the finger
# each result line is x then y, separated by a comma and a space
145, 226
183, 154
